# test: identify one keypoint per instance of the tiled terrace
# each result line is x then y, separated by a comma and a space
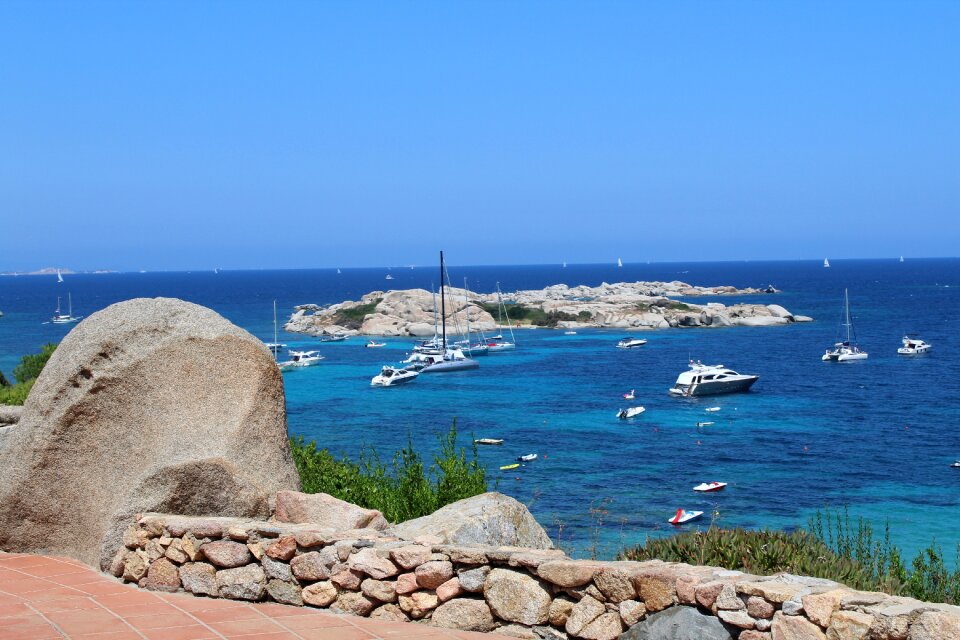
49, 597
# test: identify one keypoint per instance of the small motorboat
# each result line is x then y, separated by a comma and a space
956, 465
706, 424
489, 441
630, 396
392, 377
630, 343
683, 517
373, 344
913, 347
569, 333
630, 412
712, 409
300, 359
530, 457
276, 346
706, 487
336, 337
507, 467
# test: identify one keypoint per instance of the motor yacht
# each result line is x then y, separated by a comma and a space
373, 344
707, 380
630, 343
300, 359
913, 346
392, 377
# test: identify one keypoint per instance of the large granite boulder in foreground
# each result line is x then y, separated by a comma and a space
148, 405
489, 518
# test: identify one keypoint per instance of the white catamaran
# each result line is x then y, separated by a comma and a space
452, 358
845, 350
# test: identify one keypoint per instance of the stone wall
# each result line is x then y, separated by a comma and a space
514, 591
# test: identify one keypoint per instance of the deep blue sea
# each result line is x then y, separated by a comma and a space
877, 435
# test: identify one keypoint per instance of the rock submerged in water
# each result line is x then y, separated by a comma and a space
148, 405
489, 518
624, 305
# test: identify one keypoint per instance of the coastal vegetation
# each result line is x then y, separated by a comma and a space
352, 317
401, 489
25, 374
534, 315
831, 547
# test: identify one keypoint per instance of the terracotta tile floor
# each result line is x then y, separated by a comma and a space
48, 597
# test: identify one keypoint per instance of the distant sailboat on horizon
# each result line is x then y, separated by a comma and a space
564, 264
619, 262
901, 258
60, 277
826, 263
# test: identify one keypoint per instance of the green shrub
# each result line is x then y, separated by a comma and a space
532, 315
25, 374
832, 547
403, 489
32, 364
352, 317
16, 394
760, 552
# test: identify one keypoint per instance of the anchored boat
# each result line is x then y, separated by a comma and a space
706, 380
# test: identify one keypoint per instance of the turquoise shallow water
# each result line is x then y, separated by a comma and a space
875, 435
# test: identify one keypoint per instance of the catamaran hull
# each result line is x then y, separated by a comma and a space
449, 367
715, 388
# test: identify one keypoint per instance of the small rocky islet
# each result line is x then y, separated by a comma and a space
622, 305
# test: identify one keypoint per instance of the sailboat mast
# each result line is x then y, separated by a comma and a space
466, 303
443, 306
275, 347
846, 306
70, 304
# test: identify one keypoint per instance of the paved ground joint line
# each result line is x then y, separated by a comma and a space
50, 622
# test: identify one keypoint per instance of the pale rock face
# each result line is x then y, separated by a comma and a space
419, 603
517, 597
466, 614
849, 625
794, 628
472, 579
431, 575
226, 554
390, 612
163, 576
820, 607
242, 583
607, 626
148, 405
490, 518
615, 585
382, 590
320, 594
199, 578
568, 573
325, 510
411, 556
353, 603
632, 612
285, 592
583, 613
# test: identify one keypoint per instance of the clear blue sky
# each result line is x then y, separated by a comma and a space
298, 134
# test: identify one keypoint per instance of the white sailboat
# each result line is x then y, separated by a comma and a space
826, 263
901, 258
452, 358
846, 350
60, 277
564, 264
497, 344
275, 346
619, 262
64, 318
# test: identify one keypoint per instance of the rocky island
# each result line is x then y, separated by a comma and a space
624, 305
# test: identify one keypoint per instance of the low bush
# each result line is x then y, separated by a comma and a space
533, 315
831, 547
352, 317
402, 489
25, 374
